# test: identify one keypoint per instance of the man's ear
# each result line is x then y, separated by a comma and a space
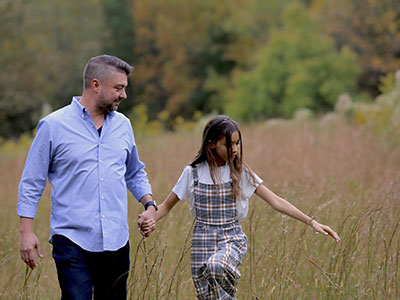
95, 84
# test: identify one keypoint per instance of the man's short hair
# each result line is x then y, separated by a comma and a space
102, 66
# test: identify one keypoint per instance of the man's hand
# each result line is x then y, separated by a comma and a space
147, 221
30, 243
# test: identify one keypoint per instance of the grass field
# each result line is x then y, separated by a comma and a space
342, 175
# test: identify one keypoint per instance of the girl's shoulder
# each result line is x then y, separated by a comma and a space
200, 165
249, 176
201, 168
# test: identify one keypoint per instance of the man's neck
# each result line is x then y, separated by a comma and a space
97, 115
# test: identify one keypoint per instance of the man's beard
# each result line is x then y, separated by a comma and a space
108, 106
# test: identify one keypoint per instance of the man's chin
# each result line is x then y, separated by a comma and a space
115, 105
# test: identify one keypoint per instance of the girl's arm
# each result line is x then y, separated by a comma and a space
165, 207
289, 209
148, 225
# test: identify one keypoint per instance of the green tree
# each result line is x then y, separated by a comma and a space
177, 42
371, 29
298, 67
119, 20
44, 46
187, 49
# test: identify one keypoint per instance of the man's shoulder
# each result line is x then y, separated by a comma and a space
57, 115
119, 119
120, 116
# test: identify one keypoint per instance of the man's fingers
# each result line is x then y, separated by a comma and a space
140, 221
28, 258
39, 251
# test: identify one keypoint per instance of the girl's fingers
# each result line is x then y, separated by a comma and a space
332, 233
326, 230
147, 227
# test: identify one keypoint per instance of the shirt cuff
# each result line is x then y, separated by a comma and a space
26, 210
140, 193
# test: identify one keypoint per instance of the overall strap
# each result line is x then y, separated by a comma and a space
195, 175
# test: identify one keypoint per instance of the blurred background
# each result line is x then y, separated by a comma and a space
315, 87
251, 59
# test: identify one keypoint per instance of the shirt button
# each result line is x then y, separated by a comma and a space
103, 216
101, 179
102, 197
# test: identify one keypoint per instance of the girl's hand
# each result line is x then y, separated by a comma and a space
325, 230
146, 225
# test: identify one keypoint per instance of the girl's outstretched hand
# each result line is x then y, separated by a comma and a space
325, 230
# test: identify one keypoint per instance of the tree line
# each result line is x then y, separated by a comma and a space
251, 59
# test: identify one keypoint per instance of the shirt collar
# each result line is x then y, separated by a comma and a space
81, 110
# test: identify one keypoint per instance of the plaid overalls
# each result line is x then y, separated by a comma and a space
218, 242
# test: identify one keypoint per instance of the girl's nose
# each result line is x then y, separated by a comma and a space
235, 150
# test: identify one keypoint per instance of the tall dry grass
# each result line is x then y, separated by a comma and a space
342, 175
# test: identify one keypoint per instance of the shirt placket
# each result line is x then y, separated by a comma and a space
101, 179
102, 189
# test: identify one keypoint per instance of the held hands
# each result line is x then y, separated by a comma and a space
325, 230
147, 222
29, 242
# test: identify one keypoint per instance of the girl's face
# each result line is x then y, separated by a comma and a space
221, 149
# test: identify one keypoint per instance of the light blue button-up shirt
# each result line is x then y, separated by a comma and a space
89, 175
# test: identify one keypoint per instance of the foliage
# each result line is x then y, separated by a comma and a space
142, 126
242, 57
387, 83
177, 42
44, 47
382, 116
185, 60
371, 29
119, 20
298, 67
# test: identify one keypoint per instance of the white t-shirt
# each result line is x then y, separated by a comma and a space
184, 188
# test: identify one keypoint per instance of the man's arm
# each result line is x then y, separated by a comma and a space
30, 190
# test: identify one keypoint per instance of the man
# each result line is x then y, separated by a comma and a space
88, 152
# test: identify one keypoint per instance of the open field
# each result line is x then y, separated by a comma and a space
342, 175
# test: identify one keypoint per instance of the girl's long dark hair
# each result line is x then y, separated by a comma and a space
218, 127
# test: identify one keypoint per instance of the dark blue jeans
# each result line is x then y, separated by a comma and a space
80, 272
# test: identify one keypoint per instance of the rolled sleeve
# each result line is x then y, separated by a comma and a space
136, 176
34, 176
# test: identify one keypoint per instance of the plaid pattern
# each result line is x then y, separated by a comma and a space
218, 242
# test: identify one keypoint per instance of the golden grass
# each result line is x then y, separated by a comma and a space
342, 175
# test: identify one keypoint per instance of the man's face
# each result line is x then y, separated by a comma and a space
112, 92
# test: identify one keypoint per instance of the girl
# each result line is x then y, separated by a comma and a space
218, 185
